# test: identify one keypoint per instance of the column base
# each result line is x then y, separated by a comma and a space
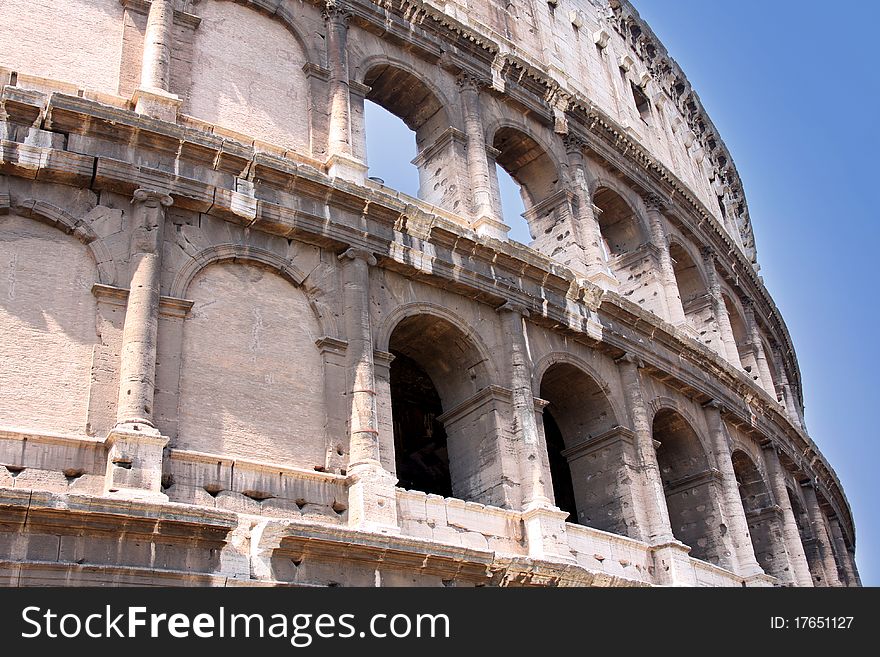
760, 580
347, 168
672, 564
489, 227
546, 534
372, 500
157, 104
134, 463
604, 280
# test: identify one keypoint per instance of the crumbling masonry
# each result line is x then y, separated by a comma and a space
230, 357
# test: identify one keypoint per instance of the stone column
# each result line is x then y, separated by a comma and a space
544, 523
484, 216
791, 405
134, 462
654, 205
843, 554
658, 528
372, 500
794, 547
587, 225
535, 481
728, 341
737, 539
154, 97
341, 161
823, 541
754, 332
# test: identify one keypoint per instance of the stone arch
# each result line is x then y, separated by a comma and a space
251, 374
620, 224
741, 336
762, 516
690, 484
78, 228
446, 412
554, 357
403, 311
586, 447
424, 108
529, 161
46, 302
286, 19
692, 287
249, 73
233, 252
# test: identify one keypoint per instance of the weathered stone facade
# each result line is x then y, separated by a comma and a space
229, 357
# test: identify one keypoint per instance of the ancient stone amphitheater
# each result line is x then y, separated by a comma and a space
229, 356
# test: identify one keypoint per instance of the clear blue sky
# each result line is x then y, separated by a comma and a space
793, 87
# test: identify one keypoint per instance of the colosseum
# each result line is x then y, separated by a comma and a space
230, 356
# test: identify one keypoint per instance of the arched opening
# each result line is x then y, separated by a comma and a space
585, 448
391, 147
522, 164
512, 207
695, 299
444, 428
765, 527
620, 227
691, 487
811, 548
419, 438
436, 154
774, 370
741, 338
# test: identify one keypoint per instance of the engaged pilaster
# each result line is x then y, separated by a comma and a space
134, 467
658, 528
154, 98
341, 161
794, 547
586, 229
764, 377
654, 205
843, 554
372, 500
823, 541
484, 217
737, 539
544, 523
728, 347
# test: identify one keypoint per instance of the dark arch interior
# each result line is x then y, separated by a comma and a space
419, 439
618, 224
436, 367
527, 163
687, 275
560, 470
764, 529
578, 410
407, 97
688, 485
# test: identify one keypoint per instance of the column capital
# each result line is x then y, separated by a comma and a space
470, 81
336, 12
654, 202
513, 307
715, 405
358, 254
748, 303
152, 198
629, 357
709, 253
574, 145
